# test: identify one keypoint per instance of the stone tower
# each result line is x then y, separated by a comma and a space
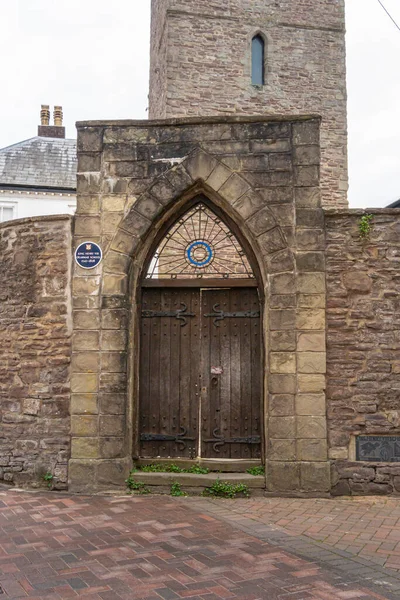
201, 65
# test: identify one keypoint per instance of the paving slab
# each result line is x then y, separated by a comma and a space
56, 546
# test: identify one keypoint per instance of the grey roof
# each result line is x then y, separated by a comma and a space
395, 204
39, 162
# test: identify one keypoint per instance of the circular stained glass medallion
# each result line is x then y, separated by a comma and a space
199, 254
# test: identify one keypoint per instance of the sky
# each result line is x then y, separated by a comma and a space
92, 57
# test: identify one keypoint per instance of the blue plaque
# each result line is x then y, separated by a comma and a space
88, 255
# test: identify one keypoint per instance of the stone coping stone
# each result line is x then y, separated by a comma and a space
33, 220
197, 120
194, 480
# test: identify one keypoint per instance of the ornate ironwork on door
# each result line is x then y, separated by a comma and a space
199, 245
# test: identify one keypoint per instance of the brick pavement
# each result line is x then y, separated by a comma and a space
151, 548
366, 527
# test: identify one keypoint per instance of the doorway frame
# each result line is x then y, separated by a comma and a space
199, 283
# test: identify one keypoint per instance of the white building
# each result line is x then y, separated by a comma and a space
38, 175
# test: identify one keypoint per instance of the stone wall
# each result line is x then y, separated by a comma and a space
35, 330
363, 349
201, 66
134, 176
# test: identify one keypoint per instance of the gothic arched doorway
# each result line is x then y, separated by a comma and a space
200, 377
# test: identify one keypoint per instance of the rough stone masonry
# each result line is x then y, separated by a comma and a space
201, 66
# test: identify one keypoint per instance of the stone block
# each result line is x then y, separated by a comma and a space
115, 285
311, 300
135, 224
113, 473
84, 383
179, 178
248, 204
306, 133
282, 450
86, 319
315, 476
89, 161
86, 286
282, 341
314, 341
280, 262
311, 362
310, 239
308, 197
284, 214
85, 447
311, 405
310, 319
282, 384
113, 362
218, 177
281, 427
113, 382
112, 404
282, 319
234, 188
307, 155
110, 223
90, 139
82, 475
310, 261
85, 340
309, 218
84, 425
313, 384
311, 283
357, 281
283, 476
272, 241
312, 450
113, 203
111, 447
115, 262
113, 318
112, 425
113, 340
163, 192
200, 165
261, 221
85, 362
124, 242
288, 301
84, 404
283, 283
311, 428
282, 362
88, 205
88, 226
306, 176
281, 405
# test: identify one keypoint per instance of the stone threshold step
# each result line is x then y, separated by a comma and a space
198, 481
224, 466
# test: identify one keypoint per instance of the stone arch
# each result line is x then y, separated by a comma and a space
200, 172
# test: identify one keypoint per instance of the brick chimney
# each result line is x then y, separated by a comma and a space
52, 131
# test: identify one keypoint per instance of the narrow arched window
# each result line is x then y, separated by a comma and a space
257, 60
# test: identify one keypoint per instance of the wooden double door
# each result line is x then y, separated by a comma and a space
200, 374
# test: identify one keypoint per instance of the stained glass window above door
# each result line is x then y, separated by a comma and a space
199, 245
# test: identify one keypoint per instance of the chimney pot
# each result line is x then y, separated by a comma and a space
58, 116
45, 114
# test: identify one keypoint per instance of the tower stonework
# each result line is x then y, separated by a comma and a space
201, 66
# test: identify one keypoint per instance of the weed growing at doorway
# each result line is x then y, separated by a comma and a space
48, 477
256, 470
365, 226
176, 489
161, 468
136, 486
223, 489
